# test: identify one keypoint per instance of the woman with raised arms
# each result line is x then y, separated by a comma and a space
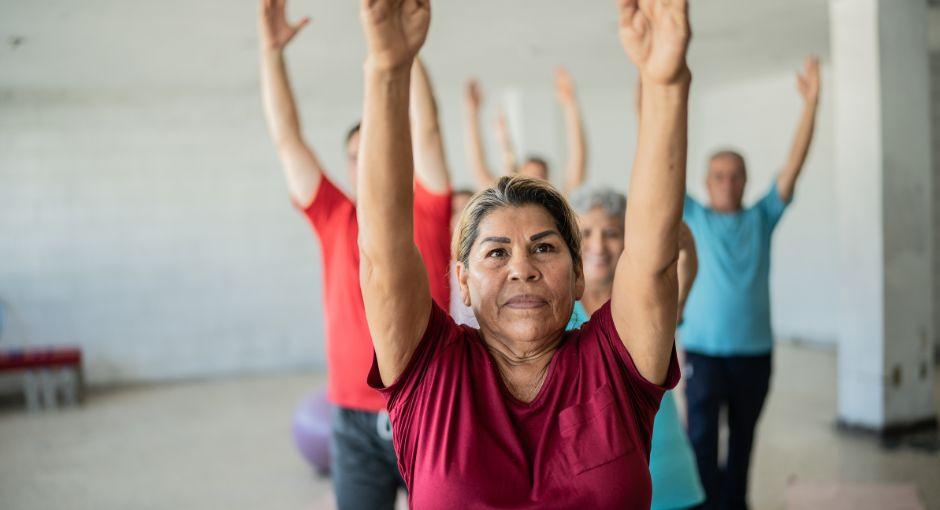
521, 414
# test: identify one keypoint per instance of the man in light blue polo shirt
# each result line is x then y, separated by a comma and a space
727, 334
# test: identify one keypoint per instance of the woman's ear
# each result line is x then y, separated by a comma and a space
578, 282
462, 281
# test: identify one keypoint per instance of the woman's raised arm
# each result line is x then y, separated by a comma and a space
655, 34
392, 275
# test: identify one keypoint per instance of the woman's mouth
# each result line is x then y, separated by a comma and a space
599, 261
526, 301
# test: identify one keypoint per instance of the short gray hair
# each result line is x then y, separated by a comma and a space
613, 203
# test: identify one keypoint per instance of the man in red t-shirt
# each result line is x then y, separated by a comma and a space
363, 464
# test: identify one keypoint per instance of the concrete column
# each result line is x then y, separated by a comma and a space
934, 37
883, 194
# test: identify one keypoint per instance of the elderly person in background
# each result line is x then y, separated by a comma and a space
727, 331
600, 216
521, 414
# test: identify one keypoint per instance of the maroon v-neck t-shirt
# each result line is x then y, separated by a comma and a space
464, 442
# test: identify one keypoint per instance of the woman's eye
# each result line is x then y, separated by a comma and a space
499, 252
544, 248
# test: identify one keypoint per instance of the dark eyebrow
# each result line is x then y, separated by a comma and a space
503, 240
541, 235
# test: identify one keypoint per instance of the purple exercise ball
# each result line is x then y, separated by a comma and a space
312, 430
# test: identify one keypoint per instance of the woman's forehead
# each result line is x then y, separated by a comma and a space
598, 216
524, 221
600, 224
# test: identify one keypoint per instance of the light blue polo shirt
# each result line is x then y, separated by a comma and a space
728, 309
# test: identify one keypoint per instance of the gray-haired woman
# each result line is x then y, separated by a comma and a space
519, 414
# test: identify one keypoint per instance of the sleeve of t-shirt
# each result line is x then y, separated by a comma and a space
646, 394
327, 207
432, 236
441, 332
419, 386
772, 206
690, 208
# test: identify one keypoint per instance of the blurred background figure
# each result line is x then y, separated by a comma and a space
532, 165
601, 211
727, 332
362, 463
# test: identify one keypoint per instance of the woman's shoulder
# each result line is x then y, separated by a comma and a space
438, 352
444, 329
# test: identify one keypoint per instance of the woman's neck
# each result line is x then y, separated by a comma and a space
595, 296
523, 369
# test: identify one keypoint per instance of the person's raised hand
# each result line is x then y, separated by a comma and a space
275, 30
807, 82
564, 86
472, 94
395, 30
655, 34
500, 126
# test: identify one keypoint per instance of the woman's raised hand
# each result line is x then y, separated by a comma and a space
564, 86
395, 30
807, 82
275, 30
655, 34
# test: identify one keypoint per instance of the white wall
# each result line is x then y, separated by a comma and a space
154, 231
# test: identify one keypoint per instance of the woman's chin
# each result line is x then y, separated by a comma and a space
529, 327
598, 278
527, 313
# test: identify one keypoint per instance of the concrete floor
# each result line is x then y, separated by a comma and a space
227, 444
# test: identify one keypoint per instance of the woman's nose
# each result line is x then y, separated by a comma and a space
521, 268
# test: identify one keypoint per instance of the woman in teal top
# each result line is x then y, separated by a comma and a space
675, 477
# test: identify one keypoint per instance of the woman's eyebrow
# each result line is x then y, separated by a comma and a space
506, 240
541, 235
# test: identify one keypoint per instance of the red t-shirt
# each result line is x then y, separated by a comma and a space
348, 343
464, 442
